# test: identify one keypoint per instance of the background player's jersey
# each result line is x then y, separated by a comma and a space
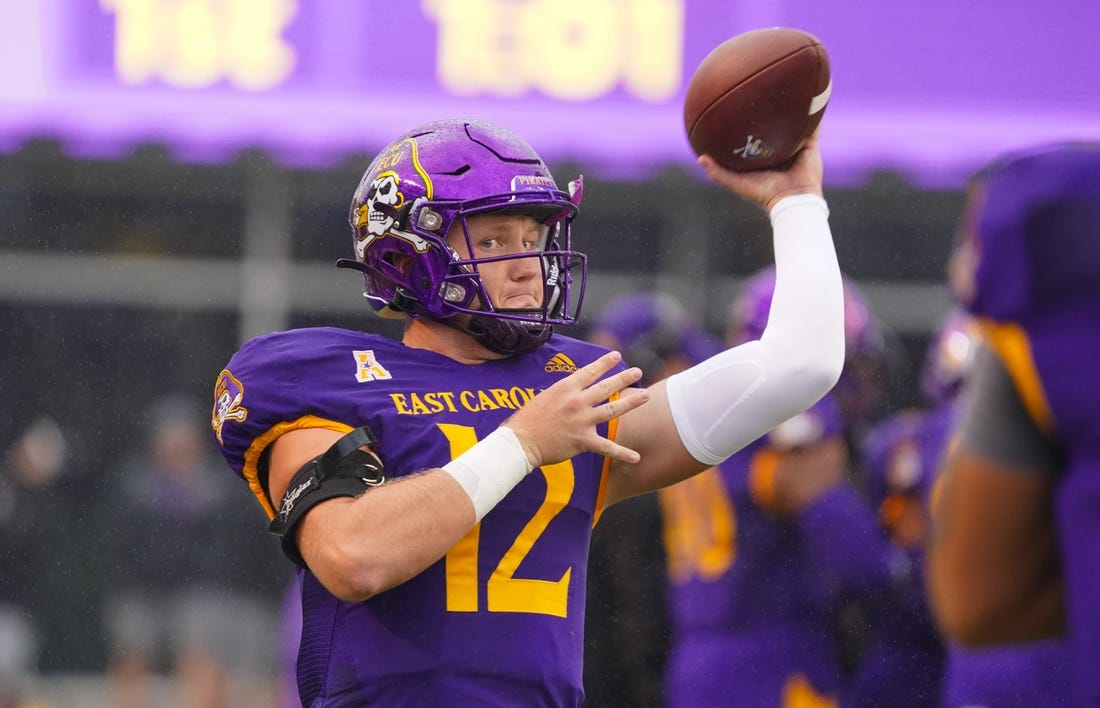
903, 657
1035, 254
1034, 257
752, 622
499, 620
903, 459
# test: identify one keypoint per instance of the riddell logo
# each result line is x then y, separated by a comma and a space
560, 363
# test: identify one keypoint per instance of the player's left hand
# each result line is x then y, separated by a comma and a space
561, 421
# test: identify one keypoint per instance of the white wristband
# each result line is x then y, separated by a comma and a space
490, 469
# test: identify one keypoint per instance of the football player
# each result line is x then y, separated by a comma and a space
438, 493
764, 548
903, 658
903, 460
1016, 535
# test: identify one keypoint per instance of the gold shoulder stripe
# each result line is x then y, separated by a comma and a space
1012, 345
260, 443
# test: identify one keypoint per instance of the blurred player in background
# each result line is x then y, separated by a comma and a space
1016, 675
438, 567
870, 363
626, 621
904, 655
1016, 541
762, 550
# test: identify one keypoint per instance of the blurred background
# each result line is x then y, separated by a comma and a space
175, 177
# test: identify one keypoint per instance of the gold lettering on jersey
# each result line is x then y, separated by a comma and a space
485, 402
431, 402
469, 400
367, 367
424, 403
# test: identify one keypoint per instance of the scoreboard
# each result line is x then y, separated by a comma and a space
930, 89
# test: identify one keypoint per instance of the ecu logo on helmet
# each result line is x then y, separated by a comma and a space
380, 209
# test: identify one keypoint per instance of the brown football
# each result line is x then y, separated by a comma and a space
757, 97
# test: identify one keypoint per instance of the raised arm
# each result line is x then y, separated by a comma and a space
703, 415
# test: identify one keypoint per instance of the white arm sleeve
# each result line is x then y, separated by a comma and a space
729, 400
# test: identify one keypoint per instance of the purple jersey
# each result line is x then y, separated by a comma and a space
903, 459
1009, 676
752, 622
1035, 284
904, 657
499, 620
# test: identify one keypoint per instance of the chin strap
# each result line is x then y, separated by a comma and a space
510, 337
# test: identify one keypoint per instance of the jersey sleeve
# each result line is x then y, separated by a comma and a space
995, 422
258, 396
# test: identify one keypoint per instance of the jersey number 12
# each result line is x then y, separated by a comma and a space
503, 591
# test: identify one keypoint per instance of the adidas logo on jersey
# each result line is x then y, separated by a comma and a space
561, 364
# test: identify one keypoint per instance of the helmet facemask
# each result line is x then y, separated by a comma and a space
515, 330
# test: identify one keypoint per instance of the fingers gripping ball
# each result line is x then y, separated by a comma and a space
755, 100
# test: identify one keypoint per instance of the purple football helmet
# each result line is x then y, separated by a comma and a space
435, 177
948, 357
748, 315
861, 390
1023, 214
650, 327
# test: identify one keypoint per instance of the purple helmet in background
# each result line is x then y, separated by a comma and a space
861, 391
433, 178
948, 357
648, 328
748, 315
1023, 214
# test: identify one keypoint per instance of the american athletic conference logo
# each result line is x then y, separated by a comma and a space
560, 364
367, 367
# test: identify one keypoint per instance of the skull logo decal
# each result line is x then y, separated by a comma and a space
379, 211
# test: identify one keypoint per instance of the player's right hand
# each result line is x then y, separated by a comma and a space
802, 175
561, 421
